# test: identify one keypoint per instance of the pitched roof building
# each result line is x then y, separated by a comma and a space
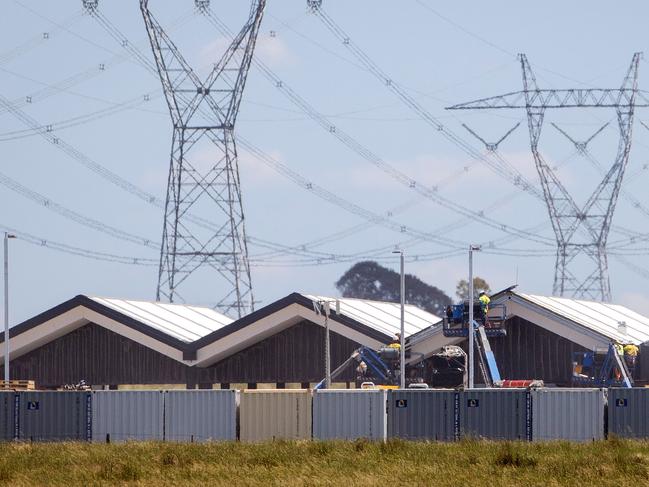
114, 342
111, 341
543, 333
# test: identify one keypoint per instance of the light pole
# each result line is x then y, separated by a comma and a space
472, 248
325, 306
402, 336
6, 275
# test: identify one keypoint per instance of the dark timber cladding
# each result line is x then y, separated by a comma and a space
102, 357
531, 352
98, 356
293, 355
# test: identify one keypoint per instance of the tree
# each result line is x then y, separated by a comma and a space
479, 284
370, 280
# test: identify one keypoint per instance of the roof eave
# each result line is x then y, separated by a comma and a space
85, 301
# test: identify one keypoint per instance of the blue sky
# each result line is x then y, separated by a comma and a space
440, 53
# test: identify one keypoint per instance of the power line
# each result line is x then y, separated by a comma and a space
297, 178
89, 222
38, 40
63, 86
405, 180
304, 183
62, 26
498, 164
79, 251
84, 119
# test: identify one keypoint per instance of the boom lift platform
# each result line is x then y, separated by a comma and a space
600, 369
485, 325
457, 318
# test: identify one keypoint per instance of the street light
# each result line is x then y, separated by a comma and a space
6, 242
402, 337
472, 248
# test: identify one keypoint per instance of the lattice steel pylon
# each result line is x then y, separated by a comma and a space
204, 173
595, 216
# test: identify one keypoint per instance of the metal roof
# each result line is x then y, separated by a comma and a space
604, 318
382, 316
190, 333
186, 323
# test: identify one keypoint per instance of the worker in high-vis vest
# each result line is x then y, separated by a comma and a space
484, 301
619, 348
396, 342
631, 354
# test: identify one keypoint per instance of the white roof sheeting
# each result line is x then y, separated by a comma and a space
602, 318
186, 323
381, 316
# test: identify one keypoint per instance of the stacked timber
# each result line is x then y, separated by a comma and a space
18, 385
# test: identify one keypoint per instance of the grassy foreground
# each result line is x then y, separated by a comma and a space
394, 463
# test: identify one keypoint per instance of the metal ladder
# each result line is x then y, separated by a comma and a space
486, 357
621, 365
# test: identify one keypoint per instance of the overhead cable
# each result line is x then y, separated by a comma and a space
429, 193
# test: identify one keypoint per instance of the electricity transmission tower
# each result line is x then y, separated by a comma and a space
204, 173
593, 218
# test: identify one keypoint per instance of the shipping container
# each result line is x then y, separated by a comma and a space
628, 413
422, 414
568, 414
127, 415
54, 415
8, 404
495, 414
209, 415
350, 414
275, 414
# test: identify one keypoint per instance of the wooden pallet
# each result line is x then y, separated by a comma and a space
23, 385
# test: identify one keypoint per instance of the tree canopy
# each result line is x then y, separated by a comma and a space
370, 280
479, 284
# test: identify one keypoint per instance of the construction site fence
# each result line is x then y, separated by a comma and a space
544, 414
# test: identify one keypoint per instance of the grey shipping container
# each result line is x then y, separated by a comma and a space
349, 414
495, 414
275, 414
628, 412
200, 415
8, 403
568, 414
127, 415
422, 414
54, 415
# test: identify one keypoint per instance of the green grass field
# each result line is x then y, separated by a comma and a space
474, 463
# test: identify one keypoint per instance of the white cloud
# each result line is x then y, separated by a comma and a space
425, 169
432, 170
273, 51
257, 174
